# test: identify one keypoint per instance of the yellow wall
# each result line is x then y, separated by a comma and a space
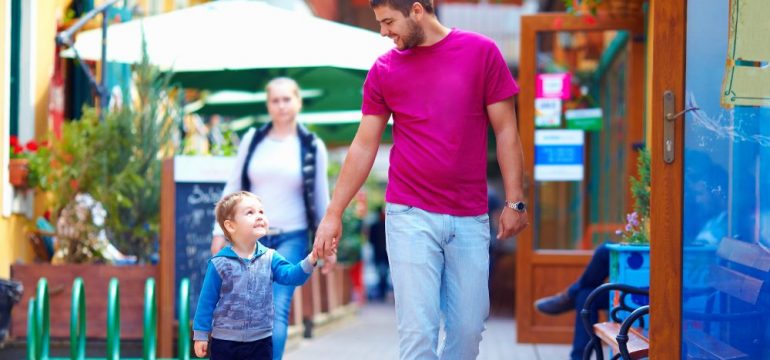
14, 245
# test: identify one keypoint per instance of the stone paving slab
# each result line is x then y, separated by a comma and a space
372, 335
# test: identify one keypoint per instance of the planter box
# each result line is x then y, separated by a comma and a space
630, 265
96, 280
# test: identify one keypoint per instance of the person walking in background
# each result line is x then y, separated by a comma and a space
380, 255
443, 88
235, 307
286, 165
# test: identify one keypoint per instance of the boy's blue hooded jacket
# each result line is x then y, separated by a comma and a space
236, 301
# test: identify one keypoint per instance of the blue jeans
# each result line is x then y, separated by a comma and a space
293, 246
595, 274
439, 265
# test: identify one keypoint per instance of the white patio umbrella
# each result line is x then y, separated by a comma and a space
229, 44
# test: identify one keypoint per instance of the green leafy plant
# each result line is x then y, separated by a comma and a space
637, 229
117, 162
574, 7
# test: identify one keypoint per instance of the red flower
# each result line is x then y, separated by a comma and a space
74, 184
14, 140
17, 149
31, 146
589, 20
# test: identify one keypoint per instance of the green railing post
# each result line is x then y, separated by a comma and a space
113, 321
42, 320
31, 331
184, 320
78, 321
149, 339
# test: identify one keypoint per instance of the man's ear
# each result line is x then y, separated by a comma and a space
417, 10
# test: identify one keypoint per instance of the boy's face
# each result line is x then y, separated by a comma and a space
404, 31
249, 221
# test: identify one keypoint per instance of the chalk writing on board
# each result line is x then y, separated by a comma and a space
194, 213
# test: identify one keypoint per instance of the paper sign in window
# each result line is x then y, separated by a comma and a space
747, 71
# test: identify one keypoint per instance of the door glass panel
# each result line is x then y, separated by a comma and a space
582, 139
726, 215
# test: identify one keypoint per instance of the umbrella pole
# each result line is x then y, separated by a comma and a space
64, 38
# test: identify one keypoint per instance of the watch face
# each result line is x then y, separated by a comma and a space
519, 206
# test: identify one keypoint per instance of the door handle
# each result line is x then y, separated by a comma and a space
669, 125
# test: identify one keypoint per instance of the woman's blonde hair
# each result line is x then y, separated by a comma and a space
225, 208
284, 81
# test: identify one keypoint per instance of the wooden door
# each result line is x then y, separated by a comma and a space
569, 217
710, 174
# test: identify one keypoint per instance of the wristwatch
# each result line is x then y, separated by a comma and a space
519, 206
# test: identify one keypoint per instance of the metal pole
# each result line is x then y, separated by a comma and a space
104, 95
64, 38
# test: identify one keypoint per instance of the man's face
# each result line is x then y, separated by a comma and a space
404, 31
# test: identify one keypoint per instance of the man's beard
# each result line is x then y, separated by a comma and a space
415, 37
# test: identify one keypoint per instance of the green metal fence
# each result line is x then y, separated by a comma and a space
38, 323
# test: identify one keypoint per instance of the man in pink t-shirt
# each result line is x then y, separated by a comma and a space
443, 88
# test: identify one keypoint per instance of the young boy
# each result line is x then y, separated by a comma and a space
236, 302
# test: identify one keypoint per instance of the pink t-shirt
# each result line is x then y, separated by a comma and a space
438, 96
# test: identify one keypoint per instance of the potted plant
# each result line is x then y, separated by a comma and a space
101, 181
24, 164
630, 259
611, 7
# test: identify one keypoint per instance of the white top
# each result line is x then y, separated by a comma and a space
274, 171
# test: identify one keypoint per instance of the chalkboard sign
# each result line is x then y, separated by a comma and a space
198, 184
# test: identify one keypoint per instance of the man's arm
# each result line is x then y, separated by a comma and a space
502, 116
355, 169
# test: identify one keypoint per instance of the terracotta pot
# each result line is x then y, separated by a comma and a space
18, 169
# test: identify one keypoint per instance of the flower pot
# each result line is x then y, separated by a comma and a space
630, 265
18, 169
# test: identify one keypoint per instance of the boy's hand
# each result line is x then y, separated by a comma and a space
329, 263
313, 258
201, 348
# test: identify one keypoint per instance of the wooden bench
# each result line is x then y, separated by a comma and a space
625, 341
736, 286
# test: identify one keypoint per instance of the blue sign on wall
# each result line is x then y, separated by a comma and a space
559, 155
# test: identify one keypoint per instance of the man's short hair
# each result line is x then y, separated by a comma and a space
404, 6
225, 208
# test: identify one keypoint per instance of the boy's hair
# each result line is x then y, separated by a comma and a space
404, 6
225, 208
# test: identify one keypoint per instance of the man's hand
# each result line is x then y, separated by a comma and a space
511, 223
327, 236
201, 348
